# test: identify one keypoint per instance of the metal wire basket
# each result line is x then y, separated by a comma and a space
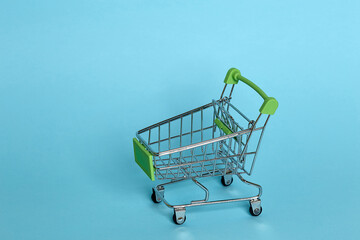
216, 139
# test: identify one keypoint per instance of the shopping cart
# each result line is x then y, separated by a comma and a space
211, 140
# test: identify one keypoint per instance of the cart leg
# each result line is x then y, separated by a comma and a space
255, 207
251, 184
179, 216
203, 188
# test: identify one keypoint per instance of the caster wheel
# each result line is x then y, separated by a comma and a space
153, 197
180, 220
226, 182
255, 212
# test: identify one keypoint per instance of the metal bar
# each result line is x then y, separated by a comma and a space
213, 103
202, 124
166, 174
174, 181
203, 188
191, 139
159, 140
192, 163
159, 166
169, 137
248, 138
180, 168
223, 91
214, 127
180, 135
238, 111
216, 201
258, 145
170, 157
229, 148
232, 88
176, 136
191, 146
191, 129
175, 117
228, 116
180, 154
201, 166
145, 144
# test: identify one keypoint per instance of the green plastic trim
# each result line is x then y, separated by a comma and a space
270, 104
144, 159
222, 126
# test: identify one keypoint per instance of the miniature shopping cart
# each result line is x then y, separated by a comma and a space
212, 140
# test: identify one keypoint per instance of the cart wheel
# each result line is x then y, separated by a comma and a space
180, 220
226, 182
153, 197
255, 212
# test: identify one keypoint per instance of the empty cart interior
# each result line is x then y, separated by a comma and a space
197, 143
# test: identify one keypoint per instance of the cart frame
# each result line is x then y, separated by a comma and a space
224, 154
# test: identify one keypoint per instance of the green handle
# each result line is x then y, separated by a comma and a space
270, 104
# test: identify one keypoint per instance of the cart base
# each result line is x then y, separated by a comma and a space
179, 216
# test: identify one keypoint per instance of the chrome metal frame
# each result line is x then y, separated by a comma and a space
207, 152
160, 188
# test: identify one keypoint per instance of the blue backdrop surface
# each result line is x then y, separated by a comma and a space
78, 78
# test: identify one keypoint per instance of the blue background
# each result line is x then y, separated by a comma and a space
79, 78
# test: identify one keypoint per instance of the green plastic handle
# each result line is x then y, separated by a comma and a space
270, 104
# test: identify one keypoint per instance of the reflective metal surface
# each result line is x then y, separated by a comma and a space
192, 146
